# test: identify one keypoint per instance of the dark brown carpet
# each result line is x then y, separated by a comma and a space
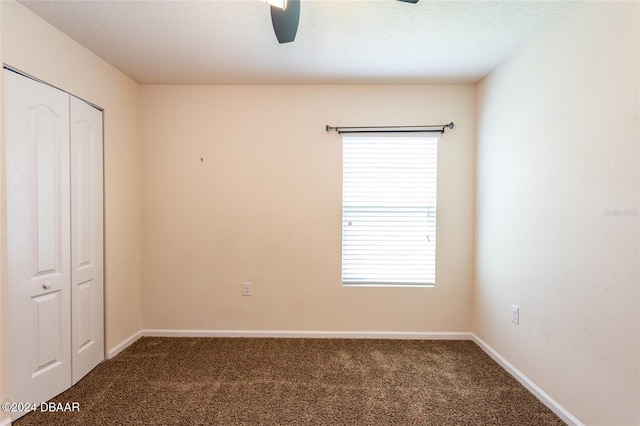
243, 381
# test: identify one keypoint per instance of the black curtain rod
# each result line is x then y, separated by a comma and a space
428, 128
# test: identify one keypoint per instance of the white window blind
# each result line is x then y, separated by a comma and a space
389, 209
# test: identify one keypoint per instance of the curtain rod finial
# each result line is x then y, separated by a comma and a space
450, 125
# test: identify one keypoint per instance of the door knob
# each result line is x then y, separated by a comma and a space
46, 286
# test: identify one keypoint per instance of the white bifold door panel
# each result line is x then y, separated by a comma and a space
86, 239
38, 238
53, 155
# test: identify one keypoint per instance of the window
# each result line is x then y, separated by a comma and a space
389, 209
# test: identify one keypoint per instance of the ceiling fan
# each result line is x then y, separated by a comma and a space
285, 15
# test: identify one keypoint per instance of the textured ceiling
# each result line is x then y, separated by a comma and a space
367, 41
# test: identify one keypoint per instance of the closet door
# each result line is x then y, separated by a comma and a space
38, 238
86, 238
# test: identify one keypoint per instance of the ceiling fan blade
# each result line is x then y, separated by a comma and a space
285, 22
410, 1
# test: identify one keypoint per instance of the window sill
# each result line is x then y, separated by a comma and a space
388, 285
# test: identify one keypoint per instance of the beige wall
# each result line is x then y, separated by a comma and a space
35, 47
558, 154
264, 205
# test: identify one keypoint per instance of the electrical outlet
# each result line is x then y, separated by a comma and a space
515, 314
246, 289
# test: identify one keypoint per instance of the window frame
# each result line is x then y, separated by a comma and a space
394, 141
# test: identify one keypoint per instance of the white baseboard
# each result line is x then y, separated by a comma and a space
553, 405
400, 335
5, 422
405, 335
124, 345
